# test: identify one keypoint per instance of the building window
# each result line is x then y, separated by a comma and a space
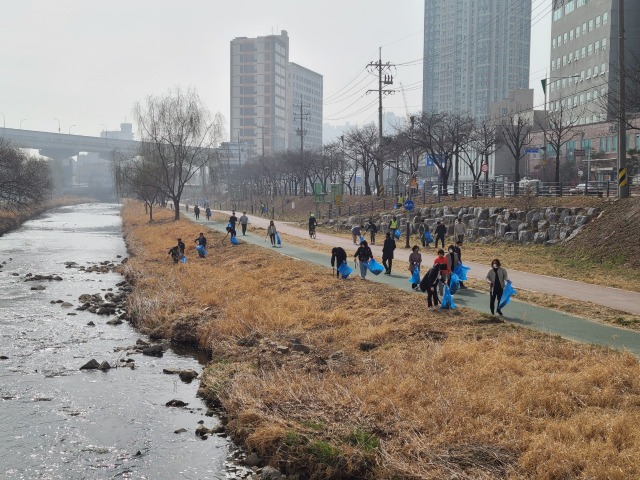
603, 68
584, 52
571, 34
564, 60
559, 40
570, 57
598, 20
557, 14
553, 43
569, 7
553, 65
604, 43
577, 32
596, 46
584, 28
588, 97
582, 76
576, 55
565, 37
591, 24
590, 49
605, 18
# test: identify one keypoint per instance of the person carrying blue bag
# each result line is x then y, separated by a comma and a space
460, 269
447, 300
202, 245
507, 293
363, 254
338, 258
415, 259
497, 279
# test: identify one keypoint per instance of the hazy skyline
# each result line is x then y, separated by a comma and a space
87, 63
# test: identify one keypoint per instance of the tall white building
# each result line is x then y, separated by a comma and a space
259, 92
583, 76
305, 101
475, 53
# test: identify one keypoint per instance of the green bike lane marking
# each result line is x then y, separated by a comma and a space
519, 313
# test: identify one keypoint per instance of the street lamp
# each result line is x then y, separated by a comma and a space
21, 123
70, 128
58, 124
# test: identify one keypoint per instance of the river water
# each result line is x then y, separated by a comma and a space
62, 423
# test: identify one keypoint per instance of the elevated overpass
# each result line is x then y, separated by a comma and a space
60, 146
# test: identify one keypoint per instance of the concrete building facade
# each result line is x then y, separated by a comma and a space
475, 53
304, 87
259, 92
584, 56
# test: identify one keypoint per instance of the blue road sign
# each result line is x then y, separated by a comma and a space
531, 150
408, 205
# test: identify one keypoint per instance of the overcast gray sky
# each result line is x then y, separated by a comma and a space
86, 62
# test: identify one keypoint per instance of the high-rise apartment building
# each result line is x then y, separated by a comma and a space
266, 92
475, 53
305, 89
259, 92
583, 75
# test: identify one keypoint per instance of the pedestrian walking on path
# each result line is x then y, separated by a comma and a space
363, 254
271, 232
196, 212
497, 279
423, 230
415, 259
387, 253
441, 232
372, 229
233, 219
356, 231
338, 257
208, 213
244, 220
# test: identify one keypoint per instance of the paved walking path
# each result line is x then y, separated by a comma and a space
616, 298
519, 313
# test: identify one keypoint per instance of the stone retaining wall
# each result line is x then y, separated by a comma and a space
546, 226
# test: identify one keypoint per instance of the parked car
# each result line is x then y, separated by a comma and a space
434, 190
592, 190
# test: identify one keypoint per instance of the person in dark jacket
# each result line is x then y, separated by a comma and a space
196, 212
364, 254
181, 246
338, 257
458, 249
202, 242
441, 232
415, 259
372, 229
175, 254
233, 219
429, 284
208, 213
387, 253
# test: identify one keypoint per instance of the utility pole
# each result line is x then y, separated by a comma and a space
623, 183
301, 131
387, 79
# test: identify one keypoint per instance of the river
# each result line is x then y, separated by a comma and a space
62, 423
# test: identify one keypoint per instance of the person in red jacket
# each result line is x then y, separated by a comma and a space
444, 270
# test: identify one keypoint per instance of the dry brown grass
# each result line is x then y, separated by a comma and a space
388, 390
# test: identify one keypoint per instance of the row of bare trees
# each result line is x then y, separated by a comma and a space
178, 138
24, 180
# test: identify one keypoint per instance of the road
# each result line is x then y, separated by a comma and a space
519, 313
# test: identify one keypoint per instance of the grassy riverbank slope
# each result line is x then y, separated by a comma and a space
387, 389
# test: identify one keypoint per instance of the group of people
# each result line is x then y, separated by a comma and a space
436, 277
196, 212
233, 221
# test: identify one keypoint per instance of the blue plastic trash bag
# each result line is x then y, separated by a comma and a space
201, 250
278, 241
234, 240
374, 267
229, 227
415, 278
345, 270
461, 272
427, 237
361, 239
397, 234
447, 300
507, 293
183, 259
454, 283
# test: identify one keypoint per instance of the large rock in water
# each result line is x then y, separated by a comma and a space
188, 375
91, 365
154, 351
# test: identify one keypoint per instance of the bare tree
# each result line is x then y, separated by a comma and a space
515, 134
559, 127
484, 141
24, 180
361, 146
179, 137
137, 177
433, 136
